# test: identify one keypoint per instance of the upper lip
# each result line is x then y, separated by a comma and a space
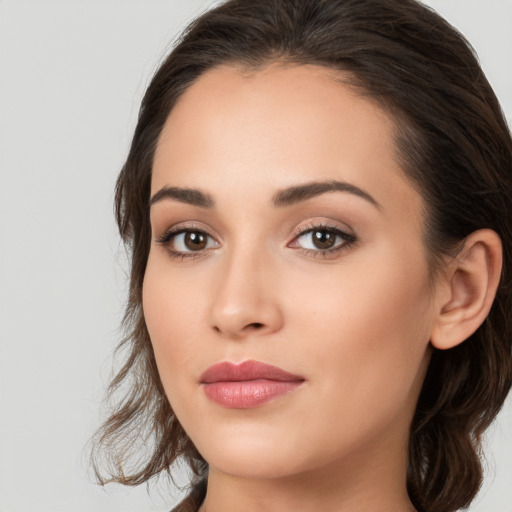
248, 370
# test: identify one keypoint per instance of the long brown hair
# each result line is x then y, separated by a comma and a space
453, 144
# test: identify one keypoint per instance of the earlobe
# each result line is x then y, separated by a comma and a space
469, 288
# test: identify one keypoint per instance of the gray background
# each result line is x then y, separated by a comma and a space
72, 73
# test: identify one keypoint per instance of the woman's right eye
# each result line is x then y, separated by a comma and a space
185, 242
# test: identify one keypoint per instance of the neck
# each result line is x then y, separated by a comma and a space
360, 484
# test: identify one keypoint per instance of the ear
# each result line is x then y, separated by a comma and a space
467, 289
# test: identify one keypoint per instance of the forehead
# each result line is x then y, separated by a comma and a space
239, 132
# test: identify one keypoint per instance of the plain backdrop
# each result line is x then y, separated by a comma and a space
72, 73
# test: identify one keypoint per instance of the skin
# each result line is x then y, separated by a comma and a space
355, 324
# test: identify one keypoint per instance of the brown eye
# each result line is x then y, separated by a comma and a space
195, 240
186, 241
323, 239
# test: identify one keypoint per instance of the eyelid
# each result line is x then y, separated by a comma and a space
348, 236
181, 227
319, 225
171, 233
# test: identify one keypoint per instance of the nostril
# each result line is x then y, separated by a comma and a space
248, 327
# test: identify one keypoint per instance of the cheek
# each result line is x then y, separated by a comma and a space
366, 330
373, 332
171, 310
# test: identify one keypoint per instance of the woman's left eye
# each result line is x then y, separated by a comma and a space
323, 239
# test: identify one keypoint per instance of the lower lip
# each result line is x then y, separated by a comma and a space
248, 393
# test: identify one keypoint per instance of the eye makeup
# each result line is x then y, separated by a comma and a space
325, 240
312, 239
184, 242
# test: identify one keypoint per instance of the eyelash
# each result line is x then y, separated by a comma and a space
348, 241
168, 236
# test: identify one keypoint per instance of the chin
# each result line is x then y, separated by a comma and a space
249, 455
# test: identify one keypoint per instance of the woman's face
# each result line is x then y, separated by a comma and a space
285, 233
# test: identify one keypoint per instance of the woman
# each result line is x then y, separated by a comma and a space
317, 201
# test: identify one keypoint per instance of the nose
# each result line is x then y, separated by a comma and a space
245, 298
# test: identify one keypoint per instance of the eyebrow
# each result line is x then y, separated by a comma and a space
300, 193
285, 197
185, 195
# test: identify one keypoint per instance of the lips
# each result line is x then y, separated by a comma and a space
247, 385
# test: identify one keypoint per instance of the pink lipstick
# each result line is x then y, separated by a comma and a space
248, 384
